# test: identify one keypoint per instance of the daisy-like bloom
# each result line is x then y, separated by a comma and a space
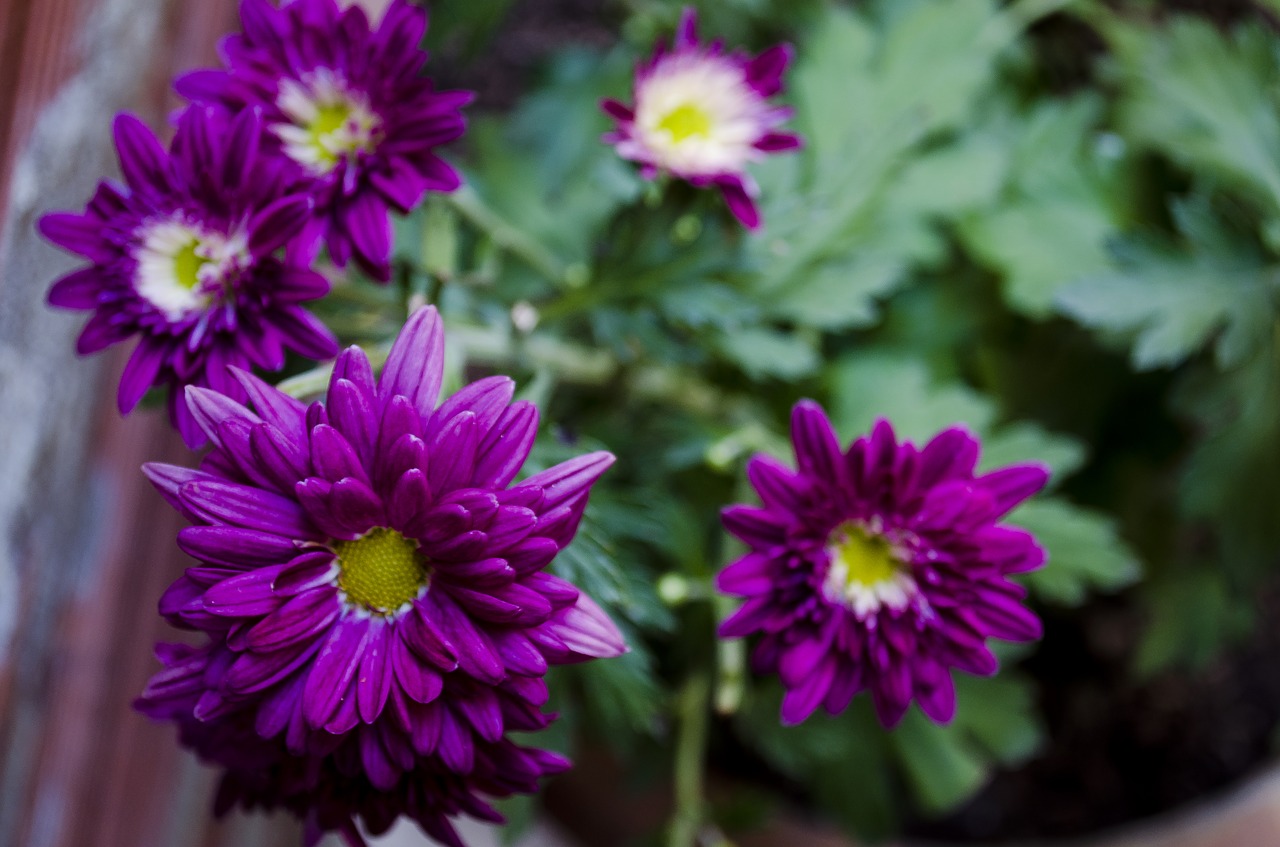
703, 115
879, 567
374, 589
346, 105
186, 255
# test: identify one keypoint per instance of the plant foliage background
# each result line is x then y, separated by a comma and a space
1081, 265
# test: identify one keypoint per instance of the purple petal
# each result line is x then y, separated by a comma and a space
421, 634
235, 547
251, 508
77, 290
297, 620
210, 408
415, 367
422, 683
453, 454
740, 202
333, 669
567, 480
304, 333
764, 72
246, 595
587, 631
143, 161
1010, 486
274, 226
518, 654
818, 451
274, 406
485, 398
748, 576
373, 685
800, 702
477, 657
506, 445
333, 457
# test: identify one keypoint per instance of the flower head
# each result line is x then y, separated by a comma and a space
879, 567
702, 114
348, 110
330, 782
185, 257
371, 582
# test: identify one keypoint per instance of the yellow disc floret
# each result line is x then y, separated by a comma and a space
187, 263
382, 570
866, 571
686, 121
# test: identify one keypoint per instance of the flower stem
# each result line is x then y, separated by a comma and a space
470, 205
691, 743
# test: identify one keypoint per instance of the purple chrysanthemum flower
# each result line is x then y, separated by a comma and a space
880, 567
185, 257
346, 105
331, 781
373, 584
703, 114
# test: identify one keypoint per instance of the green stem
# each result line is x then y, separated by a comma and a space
470, 205
691, 743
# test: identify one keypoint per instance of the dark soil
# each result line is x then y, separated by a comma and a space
1121, 749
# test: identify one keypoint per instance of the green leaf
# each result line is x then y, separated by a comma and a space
846, 761
842, 294
1026, 442
1000, 714
943, 766
1085, 551
544, 172
762, 352
871, 385
1172, 300
995, 723
867, 101
1205, 98
1054, 217
1193, 615
952, 179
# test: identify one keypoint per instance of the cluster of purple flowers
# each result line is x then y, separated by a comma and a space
370, 588
318, 128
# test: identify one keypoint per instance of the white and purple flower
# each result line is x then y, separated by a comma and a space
879, 567
703, 115
187, 256
347, 106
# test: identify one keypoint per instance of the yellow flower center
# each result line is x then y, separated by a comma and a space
686, 121
187, 263
382, 570
865, 559
328, 120
866, 572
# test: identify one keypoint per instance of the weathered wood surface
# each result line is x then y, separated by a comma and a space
85, 546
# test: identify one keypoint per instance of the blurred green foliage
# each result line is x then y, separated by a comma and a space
1086, 278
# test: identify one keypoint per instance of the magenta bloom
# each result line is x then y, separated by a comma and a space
372, 583
185, 256
703, 114
347, 107
879, 567
331, 781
